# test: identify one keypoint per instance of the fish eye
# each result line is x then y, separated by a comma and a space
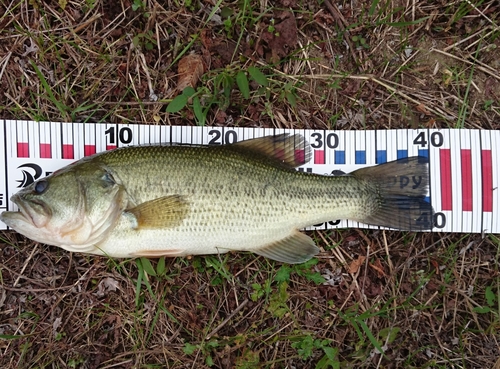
41, 186
108, 180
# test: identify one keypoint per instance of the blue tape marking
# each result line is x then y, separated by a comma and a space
360, 157
339, 157
423, 153
381, 157
402, 154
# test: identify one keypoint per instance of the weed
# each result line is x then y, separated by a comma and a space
221, 274
304, 270
138, 5
205, 348
260, 290
360, 42
306, 346
248, 360
492, 306
203, 100
487, 104
66, 111
144, 40
278, 301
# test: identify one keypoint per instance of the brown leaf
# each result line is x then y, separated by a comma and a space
377, 265
190, 69
421, 108
430, 123
57, 323
356, 264
491, 88
106, 285
435, 264
220, 116
206, 39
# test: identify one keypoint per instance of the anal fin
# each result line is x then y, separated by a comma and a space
294, 249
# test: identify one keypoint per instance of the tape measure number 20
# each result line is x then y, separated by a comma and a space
464, 164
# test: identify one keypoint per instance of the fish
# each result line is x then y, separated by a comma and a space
182, 200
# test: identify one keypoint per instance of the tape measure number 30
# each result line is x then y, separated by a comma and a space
464, 164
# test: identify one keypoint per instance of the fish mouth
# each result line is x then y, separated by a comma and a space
34, 212
10, 218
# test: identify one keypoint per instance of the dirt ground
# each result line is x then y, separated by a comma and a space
433, 301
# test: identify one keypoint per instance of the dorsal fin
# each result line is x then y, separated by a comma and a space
293, 151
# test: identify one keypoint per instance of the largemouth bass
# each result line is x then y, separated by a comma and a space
180, 200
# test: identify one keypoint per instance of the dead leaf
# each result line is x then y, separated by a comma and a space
356, 264
377, 265
57, 323
206, 38
106, 285
190, 70
430, 123
421, 108
491, 88
220, 116
435, 264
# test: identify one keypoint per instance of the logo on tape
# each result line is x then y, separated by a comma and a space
30, 174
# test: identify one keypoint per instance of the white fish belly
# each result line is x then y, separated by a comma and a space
180, 243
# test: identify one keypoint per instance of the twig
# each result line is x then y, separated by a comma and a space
5, 62
81, 26
480, 12
25, 266
363, 296
469, 37
235, 311
482, 67
341, 23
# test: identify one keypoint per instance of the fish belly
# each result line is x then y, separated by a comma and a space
193, 238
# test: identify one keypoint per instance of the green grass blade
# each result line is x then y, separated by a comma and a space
50, 96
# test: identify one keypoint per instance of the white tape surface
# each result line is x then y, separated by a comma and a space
464, 164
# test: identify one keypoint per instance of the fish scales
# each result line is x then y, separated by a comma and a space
232, 201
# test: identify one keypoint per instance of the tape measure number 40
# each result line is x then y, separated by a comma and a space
464, 164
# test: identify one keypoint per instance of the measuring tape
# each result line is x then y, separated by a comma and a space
464, 163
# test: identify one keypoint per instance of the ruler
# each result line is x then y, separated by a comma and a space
464, 163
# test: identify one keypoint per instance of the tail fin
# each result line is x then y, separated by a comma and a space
401, 187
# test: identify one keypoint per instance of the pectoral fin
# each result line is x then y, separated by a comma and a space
296, 248
163, 212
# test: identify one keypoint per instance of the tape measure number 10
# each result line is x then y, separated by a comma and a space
464, 164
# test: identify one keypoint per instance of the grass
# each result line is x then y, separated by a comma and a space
371, 299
